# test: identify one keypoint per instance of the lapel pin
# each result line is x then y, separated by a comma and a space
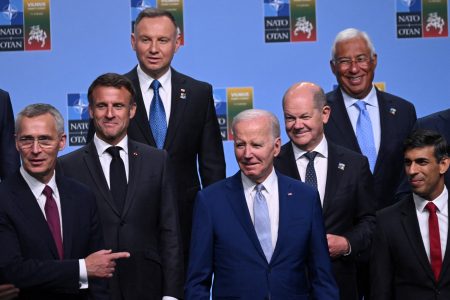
341, 166
182, 93
135, 153
392, 111
289, 194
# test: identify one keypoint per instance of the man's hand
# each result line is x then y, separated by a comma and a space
8, 292
102, 263
337, 245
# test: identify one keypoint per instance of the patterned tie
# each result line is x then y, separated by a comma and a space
157, 116
310, 176
364, 134
54, 224
435, 241
117, 177
262, 222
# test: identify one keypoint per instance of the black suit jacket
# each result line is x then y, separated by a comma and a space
193, 136
397, 118
28, 255
439, 122
9, 157
348, 206
400, 268
147, 227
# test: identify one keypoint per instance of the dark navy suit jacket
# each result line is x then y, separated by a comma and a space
9, 157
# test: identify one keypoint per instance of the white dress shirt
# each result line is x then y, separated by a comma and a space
320, 165
374, 113
441, 203
106, 158
165, 91
270, 192
37, 189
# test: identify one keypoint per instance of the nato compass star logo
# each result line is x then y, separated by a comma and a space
408, 3
9, 13
78, 106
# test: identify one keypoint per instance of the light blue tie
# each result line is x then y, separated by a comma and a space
262, 222
157, 116
364, 134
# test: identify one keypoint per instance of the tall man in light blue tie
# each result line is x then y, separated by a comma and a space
258, 230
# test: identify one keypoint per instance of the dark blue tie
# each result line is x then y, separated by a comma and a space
157, 116
364, 134
310, 176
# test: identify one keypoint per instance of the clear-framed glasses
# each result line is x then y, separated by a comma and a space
362, 61
27, 142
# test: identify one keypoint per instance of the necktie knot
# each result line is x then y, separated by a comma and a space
47, 191
431, 207
155, 85
310, 155
114, 151
361, 105
259, 188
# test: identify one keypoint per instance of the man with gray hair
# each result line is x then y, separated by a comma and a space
258, 231
50, 233
365, 119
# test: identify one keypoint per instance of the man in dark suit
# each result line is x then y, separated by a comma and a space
9, 157
144, 220
48, 222
410, 254
391, 118
439, 122
191, 133
341, 176
258, 231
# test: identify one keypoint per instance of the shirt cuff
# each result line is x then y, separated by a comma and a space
349, 248
169, 298
83, 275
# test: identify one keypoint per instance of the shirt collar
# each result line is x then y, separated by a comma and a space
101, 145
321, 149
146, 80
268, 184
441, 201
35, 185
370, 99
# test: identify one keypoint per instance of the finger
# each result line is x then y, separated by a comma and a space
5, 287
104, 251
118, 255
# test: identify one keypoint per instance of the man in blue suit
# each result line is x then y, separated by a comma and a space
258, 231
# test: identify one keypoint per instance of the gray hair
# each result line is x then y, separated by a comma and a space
351, 33
39, 109
251, 114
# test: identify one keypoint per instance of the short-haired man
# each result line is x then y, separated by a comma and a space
410, 257
258, 231
138, 209
341, 176
48, 223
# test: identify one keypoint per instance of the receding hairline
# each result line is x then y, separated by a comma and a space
318, 94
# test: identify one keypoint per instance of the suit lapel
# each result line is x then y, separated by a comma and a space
95, 169
180, 96
236, 197
286, 161
30, 208
386, 125
68, 215
134, 171
446, 257
342, 122
334, 175
141, 117
411, 227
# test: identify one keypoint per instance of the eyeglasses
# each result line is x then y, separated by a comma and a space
43, 142
345, 62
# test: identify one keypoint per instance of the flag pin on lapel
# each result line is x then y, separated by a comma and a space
289, 194
341, 166
392, 111
135, 154
182, 93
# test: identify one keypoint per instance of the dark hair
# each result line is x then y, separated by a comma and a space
424, 138
111, 80
152, 12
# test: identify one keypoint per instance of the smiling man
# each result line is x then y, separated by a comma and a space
258, 231
410, 259
135, 193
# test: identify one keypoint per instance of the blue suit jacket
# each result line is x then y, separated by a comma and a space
397, 118
9, 157
224, 243
28, 255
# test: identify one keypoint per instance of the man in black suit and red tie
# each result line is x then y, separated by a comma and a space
174, 112
410, 255
50, 234
341, 176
